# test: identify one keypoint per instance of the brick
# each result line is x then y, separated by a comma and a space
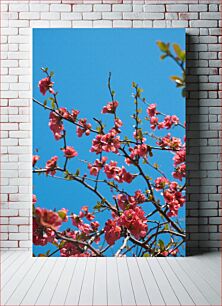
9, 244
102, 7
18, 220
203, 23
122, 23
29, 15
71, 16
82, 8
112, 15
134, 15
208, 15
60, 8
177, 8
93, 15
121, 7
39, 7
154, 8
198, 7
102, 24
19, 7
82, 24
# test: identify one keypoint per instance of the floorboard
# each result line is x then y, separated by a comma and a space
194, 280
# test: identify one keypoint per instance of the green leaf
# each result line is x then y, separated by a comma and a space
180, 53
77, 172
62, 214
163, 56
113, 93
51, 73
161, 244
156, 166
98, 206
163, 47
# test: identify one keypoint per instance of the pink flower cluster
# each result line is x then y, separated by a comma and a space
179, 163
125, 201
97, 166
167, 123
56, 125
169, 142
118, 174
79, 223
180, 172
65, 114
135, 221
42, 235
110, 108
138, 151
174, 199
161, 183
112, 231
51, 165
108, 143
84, 127
70, 152
46, 85
48, 218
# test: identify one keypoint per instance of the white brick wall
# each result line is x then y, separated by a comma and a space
200, 17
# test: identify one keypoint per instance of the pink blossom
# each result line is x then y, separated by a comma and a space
64, 113
41, 235
167, 141
135, 221
108, 143
110, 108
139, 150
112, 231
170, 120
125, 201
174, 199
179, 157
45, 85
97, 166
70, 152
35, 158
118, 123
74, 114
117, 173
51, 165
84, 127
94, 225
71, 249
151, 110
153, 122
161, 182
48, 218
55, 124
180, 172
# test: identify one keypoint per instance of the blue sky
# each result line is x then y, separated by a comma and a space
82, 60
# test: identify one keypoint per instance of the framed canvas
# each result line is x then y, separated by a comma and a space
109, 144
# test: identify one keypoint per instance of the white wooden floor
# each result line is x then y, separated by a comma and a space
109, 281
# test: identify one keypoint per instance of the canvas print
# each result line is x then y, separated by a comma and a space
109, 143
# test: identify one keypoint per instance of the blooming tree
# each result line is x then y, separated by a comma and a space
142, 223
